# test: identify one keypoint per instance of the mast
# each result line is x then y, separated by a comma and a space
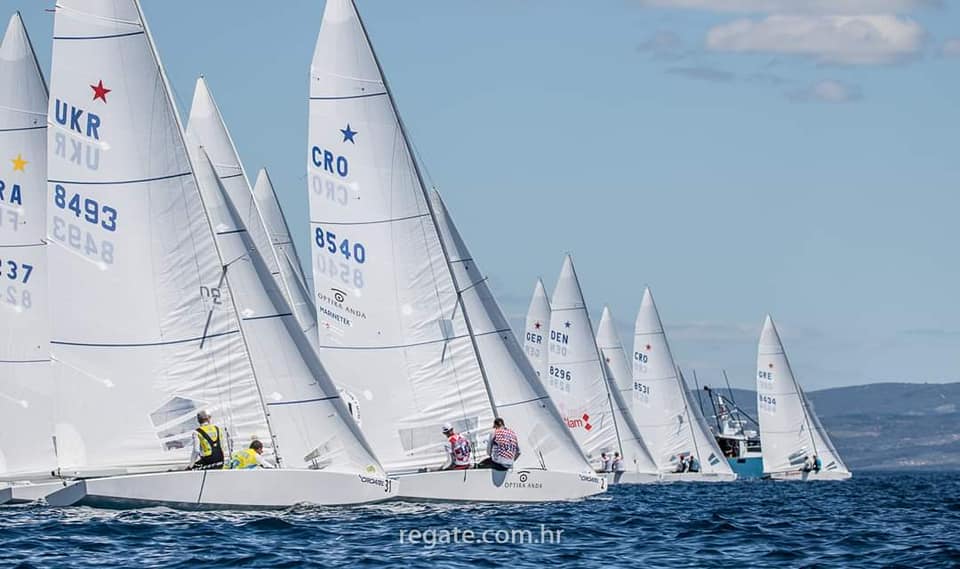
206, 216
430, 209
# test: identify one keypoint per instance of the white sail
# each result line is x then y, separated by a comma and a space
661, 406
277, 227
143, 331
291, 270
576, 377
620, 382
519, 396
393, 328
311, 425
789, 431
26, 390
206, 127
536, 331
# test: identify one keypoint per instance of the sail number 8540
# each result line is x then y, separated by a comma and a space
328, 240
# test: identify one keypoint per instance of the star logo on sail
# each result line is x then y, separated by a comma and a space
99, 91
19, 164
536, 325
648, 347
566, 324
348, 134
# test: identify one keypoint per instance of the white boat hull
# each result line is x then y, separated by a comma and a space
25, 493
231, 489
487, 485
624, 478
800, 476
698, 477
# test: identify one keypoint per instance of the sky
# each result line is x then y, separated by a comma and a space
740, 157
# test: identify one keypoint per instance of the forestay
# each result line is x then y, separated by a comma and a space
206, 127
26, 390
312, 427
536, 331
789, 431
661, 407
576, 378
144, 331
620, 383
392, 326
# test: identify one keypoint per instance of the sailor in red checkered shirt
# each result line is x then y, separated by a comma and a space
503, 447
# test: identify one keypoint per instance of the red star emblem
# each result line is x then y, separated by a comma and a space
770, 366
99, 91
537, 325
648, 347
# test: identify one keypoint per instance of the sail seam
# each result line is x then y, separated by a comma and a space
418, 216
118, 182
23, 128
24, 361
345, 97
502, 405
145, 344
268, 316
128, 34
301, 401
402, 346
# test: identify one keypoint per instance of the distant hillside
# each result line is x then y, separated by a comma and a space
884, 426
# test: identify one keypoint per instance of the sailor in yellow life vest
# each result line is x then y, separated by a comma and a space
210, 444
249, 458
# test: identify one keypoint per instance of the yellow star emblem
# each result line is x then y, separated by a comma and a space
19, 163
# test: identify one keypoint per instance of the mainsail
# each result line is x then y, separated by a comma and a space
620, 383
144, 333
311, 425
410, 332
206, 127
668, 421
26, 390
290, 264
789, 430
537, 331
576, 377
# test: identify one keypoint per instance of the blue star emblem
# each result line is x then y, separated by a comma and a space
566, 324
348, 134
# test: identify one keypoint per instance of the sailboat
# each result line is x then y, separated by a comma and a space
578, 383
150, 321
407, 324
673, 428
537, 329
640, 466
206, 127
795, 444
27, 454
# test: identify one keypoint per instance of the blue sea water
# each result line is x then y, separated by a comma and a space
908, 520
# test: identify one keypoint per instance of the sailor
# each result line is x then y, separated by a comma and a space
817, 463
458, 449
209, 442
808, 464
604, 462
682, 464
503, 447
249, 458
618, 465
693, 465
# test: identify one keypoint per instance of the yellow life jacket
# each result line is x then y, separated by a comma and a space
213, 432
243, 459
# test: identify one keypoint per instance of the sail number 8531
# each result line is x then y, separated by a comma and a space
328, 240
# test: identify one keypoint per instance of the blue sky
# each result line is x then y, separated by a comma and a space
796, 157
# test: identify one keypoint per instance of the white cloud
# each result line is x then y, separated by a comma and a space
828, 91
796, 6
872, 39
952, 48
